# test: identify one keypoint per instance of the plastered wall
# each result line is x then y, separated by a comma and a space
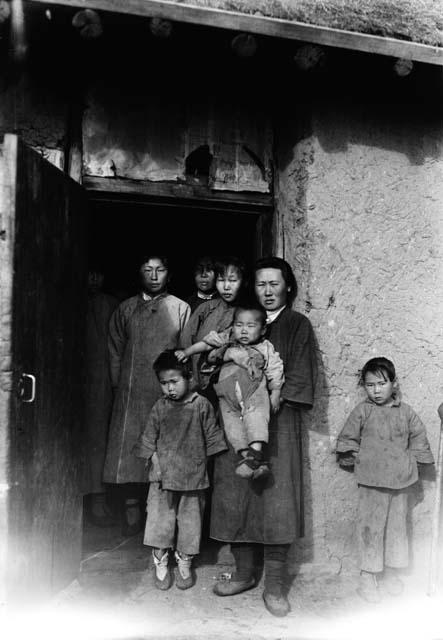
360, 218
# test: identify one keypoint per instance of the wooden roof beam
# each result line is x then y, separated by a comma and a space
262, 25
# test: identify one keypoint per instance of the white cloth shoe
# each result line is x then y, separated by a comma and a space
162, 575
183, 574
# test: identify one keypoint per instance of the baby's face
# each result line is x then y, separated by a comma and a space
248, 327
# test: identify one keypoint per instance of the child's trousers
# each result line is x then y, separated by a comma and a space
168, 511
382, 528
249, 421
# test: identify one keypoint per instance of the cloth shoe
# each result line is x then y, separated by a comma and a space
232, 587
162, 574
368, 588
99, 513
276, 603
132, 517
252, 464
183, 573
390, 582
261, 472
245, 467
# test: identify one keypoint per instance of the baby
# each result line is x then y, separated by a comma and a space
248, 387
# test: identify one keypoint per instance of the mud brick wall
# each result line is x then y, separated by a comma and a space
360, 218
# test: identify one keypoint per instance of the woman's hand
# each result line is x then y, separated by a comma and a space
181, 355
276, 400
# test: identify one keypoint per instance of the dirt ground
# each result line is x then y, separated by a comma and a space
114, 598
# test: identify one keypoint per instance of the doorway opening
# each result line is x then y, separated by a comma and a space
121, 230
120, 233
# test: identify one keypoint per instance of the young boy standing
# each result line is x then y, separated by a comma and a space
180, 434
385, 439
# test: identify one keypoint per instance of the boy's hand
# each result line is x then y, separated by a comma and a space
154, 473
346, 460
181, 355
275, 399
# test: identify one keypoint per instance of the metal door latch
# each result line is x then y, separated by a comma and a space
26, 387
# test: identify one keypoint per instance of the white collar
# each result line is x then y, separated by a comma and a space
146, 297
205, 296
272, 315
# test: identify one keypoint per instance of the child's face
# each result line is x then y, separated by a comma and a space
248, 327
378, 387
174, 386
228, 284
205, 279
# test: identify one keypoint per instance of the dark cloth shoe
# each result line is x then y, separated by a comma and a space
184, 578
245, 467
276, 603
98, 511
162, 573
252, 465
261, 472
132, 518
232, 587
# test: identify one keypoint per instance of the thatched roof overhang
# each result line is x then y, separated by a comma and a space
207, 12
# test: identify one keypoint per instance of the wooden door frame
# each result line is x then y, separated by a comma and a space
193, 196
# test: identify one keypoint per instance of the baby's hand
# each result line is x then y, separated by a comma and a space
276, 400
181, 355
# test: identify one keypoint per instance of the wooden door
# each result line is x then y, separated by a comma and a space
264, 241
42, 312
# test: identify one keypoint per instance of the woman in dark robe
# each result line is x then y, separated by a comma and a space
139, 330
270, 512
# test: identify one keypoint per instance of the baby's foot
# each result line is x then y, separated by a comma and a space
252, 465
245, 467
261, 472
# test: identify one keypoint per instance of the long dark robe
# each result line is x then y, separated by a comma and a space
271, 511
98, 392
138, 332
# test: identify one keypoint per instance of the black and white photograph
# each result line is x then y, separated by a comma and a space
221, 319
